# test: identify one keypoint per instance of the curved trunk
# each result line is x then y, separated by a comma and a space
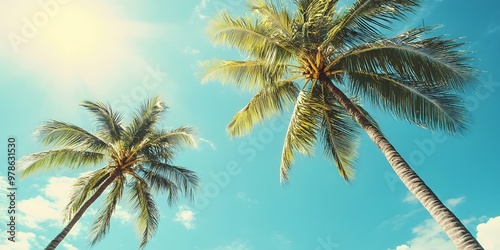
59, 238
452, 226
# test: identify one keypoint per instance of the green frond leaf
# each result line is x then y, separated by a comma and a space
268, 102
68, 135
83, 188
429, 106
109, 122
252, 36
275, 14
365, 17
301, 134
170, 178
339, 134
175, 138
246, 75
147, 219
143, 122
100, 226
432, 61
56, 159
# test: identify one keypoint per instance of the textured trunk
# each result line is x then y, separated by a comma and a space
451, 225
59, 238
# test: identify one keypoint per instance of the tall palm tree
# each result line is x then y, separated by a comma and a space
136, 159
324, 60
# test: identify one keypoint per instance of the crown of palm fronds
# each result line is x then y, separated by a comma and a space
137, 157
289, 52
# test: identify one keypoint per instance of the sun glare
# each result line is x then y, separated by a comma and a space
76, 35
77, 43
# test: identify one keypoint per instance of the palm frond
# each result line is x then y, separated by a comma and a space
64, 134
253, 37
269, 101
56, 159
246, 75
83, 188
339, 134
174, 138
432, 61
275, 14
143, 122
143, 203
183, 179
109, 122
429, 106
101, 223
367, 16
301, 134
163, 144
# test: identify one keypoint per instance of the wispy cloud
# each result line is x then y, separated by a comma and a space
186, 217
492, 29
410, 198
191, 51
400, 219
212, 146
282, 241
198, 9
247, 200
453, 202
428, 235
235, 245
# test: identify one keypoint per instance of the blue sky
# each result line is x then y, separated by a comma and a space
56, 54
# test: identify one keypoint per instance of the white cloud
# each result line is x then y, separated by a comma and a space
23, 241
453, 202
212, 146
400, 219
59, 189
186, 217
68, 246
235, 245
487, 233
121, 214
283, 241
192, 51
492, 29
48, 206
247, 200
38, 210
428, 236
199, 8
410, 198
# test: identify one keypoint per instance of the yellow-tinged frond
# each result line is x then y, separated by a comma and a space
339, 134
58, 158
147, 212
251, 36
275, 14
301, 134
247, 75
102, 221
268, 102
84, 187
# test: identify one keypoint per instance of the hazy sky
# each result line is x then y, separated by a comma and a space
55, 53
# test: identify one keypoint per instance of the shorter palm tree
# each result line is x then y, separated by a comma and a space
137, 161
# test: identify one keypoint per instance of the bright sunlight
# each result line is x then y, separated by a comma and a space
61, 42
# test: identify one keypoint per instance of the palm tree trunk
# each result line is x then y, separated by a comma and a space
452, 226
59, 238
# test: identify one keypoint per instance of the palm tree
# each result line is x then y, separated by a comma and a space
137, 161
324, 60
